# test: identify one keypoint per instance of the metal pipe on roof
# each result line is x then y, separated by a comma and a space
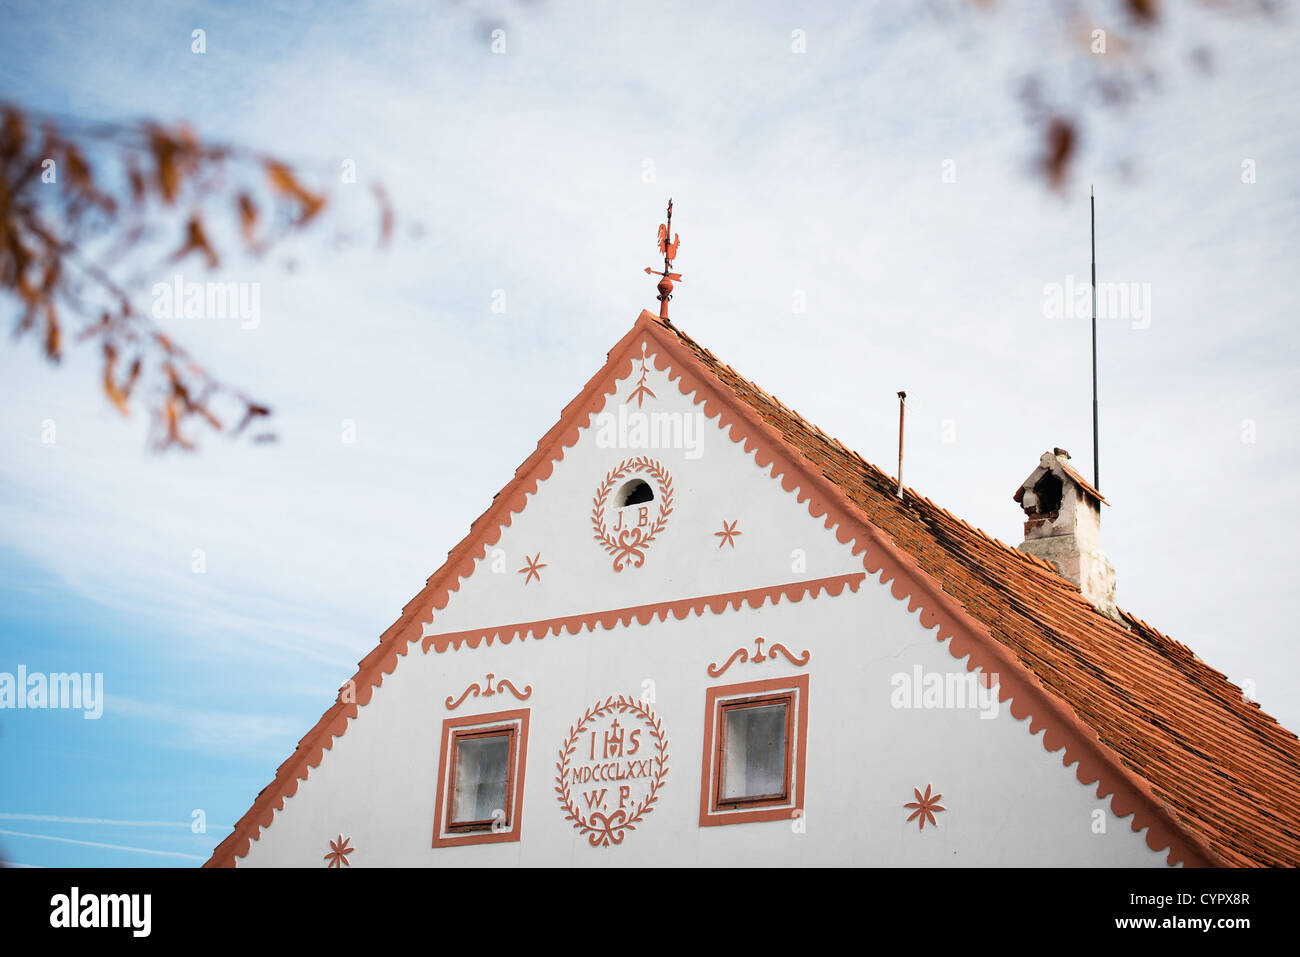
901, 397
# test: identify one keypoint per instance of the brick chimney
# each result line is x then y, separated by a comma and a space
1063, 526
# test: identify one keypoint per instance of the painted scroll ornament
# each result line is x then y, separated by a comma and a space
742, 654
630, 535
610, 769
486, 690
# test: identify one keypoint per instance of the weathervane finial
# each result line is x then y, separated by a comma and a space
668, 243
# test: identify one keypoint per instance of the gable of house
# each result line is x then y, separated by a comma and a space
746, 521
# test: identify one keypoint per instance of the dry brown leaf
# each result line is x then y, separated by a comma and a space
167, 171
1144, 11
53, 334
1061, 140
132, 376
115, 395
77, 169
247, 217
137, 181
196, 240
13, 133
283, 181
251, 412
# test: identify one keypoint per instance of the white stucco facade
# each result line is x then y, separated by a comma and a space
869, 747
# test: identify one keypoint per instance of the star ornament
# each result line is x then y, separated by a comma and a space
925, 808
339, 851
728, 533
533, 569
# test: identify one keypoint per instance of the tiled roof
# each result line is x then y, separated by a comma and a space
1228, 772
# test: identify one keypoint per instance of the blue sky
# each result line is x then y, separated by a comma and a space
815, 174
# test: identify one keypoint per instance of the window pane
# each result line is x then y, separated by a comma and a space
753, 764
482, 765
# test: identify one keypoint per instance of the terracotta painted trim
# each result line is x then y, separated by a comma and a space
644, 614
711, 814
517, 723
965, 636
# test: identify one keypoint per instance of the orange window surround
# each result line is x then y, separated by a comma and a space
755, 751
481, 779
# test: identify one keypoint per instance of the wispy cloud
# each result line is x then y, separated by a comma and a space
112, 847
227, 732
55, 819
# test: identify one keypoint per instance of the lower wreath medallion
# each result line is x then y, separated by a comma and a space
610, 769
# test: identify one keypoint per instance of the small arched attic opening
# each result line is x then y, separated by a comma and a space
634, 492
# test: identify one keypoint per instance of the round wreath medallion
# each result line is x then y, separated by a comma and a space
611, 768
633, 530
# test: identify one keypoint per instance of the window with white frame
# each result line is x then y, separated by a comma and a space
756, 736
754, 750
481, 779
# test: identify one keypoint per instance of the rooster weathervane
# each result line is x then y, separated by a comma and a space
668, 243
